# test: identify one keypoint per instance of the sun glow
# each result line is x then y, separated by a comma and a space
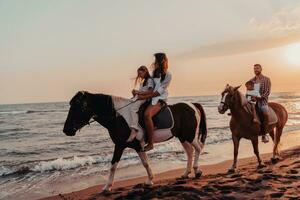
292, 54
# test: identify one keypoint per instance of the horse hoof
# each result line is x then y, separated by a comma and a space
274, 160
261, 166
183, 177
149, 183
106, 190
198, 174
230, 171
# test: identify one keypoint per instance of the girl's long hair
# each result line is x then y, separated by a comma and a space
142, 80
160, 64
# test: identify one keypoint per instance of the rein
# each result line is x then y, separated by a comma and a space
126, 105
93, 120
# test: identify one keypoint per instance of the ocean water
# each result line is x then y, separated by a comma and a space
36, 157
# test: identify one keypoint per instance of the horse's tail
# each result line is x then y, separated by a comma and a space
203, 126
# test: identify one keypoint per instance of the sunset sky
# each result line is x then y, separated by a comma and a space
51, 49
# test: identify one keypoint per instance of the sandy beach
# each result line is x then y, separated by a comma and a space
69, 164
85, 84
279, 180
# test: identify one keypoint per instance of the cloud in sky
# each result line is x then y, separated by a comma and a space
239, 46
284, 22
280, 28
48, 48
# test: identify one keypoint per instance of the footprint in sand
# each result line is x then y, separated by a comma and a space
293, 171
276, 194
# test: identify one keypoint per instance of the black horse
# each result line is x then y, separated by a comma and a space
189, 127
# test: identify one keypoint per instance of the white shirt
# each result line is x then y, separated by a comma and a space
148, 85
144, 88
252, 93
161, 88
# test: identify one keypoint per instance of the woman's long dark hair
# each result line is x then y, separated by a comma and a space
142, 80
160, 65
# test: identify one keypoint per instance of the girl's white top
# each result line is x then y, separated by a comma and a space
252, 93
144, 88
161, 88
148, 85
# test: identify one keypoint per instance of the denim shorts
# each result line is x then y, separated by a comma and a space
264, 108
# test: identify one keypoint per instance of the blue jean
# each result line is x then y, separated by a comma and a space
263, 108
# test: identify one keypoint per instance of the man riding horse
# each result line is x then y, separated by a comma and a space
264, 84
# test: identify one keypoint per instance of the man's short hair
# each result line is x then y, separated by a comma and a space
257, 65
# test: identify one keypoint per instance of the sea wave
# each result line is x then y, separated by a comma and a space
58, 164
46, 111
65, 164
16, 112
13, 130
288, 97
5, 171
13, 112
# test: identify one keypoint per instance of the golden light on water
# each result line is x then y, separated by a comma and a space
292, 54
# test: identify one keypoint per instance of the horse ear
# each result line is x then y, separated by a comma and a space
236, 88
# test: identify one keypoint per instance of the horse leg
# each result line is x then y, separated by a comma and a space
118, 151
189, 152
271, 133
144, 158
256, 151
197, 147
276, 143
236, 144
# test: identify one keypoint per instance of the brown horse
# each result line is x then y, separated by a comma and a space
242, 125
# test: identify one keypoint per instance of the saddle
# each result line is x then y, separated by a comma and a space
162, 120
272, 115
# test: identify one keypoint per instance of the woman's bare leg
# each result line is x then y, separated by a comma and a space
132, 135
149, 113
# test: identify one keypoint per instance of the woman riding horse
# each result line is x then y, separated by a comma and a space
162, 78
189, 122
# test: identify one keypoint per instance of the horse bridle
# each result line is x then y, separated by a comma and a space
113, 109
223, 101
226, 104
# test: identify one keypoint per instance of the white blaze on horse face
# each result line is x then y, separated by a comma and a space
221, 105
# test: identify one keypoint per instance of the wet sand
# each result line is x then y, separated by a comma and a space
276, 180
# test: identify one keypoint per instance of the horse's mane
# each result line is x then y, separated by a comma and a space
116, 101
243, 99
119, 102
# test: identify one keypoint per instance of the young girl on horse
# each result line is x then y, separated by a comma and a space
146, 87
250, 95
162, 78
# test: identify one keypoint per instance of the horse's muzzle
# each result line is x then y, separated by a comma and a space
221, 110
69, 132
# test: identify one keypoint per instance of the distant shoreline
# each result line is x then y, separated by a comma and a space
187, 96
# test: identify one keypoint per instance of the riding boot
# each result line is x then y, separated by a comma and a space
265, 128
